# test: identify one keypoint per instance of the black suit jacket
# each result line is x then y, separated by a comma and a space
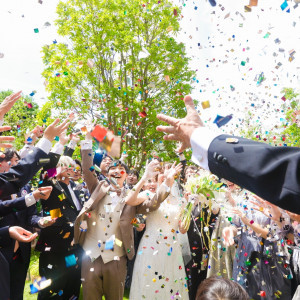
9, 206
12, 181
272, 173
26, 218
4, 236
59, 236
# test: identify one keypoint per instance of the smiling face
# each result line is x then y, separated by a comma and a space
105, 163
77, 173
150, 185
117, 172
131, 179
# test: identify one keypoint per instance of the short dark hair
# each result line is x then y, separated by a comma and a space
9, 154
215, 288
118, 162
134, 172
77, 162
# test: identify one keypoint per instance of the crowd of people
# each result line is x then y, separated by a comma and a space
103, 227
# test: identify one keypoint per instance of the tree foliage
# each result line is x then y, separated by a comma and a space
21, 118
121, 66
292, 108
286, 134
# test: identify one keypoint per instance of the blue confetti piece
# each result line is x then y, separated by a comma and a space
70, 260
109, 245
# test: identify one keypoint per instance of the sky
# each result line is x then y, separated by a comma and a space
218, 39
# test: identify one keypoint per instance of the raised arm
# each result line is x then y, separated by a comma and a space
270, 172
134, 196
13, 180
89, 174
162, 193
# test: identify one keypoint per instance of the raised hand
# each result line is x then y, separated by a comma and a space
181, 129
75, 137
268, 209
8, 103
21, 235
63, 138
4, 139
46, 221
152, 169
42, 193
228, 234
34, 134
171, 173
52, 130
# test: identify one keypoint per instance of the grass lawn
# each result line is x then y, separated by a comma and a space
33, 269
28, 296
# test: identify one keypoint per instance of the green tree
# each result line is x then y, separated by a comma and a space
292, 109
21, 118
121, 66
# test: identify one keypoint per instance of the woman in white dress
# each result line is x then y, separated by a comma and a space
159, 271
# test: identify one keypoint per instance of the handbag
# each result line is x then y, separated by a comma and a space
268, 276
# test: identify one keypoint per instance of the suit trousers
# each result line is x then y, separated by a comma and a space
18, 271
100, 279
66, 281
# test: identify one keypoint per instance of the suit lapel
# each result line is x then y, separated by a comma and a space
63, 188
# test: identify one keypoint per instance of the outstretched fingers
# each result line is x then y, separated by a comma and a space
166, 129
4, 128
170, 120
170, 137
189, 104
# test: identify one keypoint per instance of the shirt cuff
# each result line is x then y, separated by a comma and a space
86, 145
44, 145
58, 149
30, 200
72, 144
200, 141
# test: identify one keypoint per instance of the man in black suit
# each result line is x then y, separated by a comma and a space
12, 181
270, 172
18, 176
17, 254
60, 261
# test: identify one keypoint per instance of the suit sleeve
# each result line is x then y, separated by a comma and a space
32, 217
272, 173
8, 206
68, 151
89, 175
4, 236
13, 180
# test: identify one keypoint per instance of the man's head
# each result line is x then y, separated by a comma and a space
133, 177
118, 171
77, 171
66, 167
105, 163
11, 159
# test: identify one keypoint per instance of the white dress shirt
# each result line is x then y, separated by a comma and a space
200, 140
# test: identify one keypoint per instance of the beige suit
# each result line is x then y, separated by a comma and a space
107, 278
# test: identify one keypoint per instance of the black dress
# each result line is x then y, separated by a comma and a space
196, 269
